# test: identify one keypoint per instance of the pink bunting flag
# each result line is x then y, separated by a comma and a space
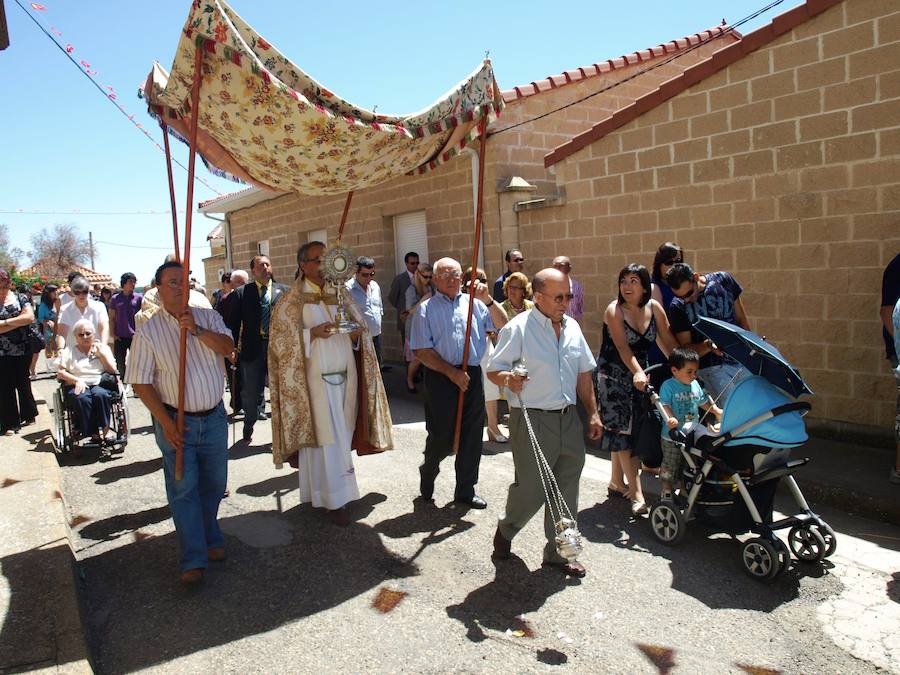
55, 32
85, 63
37, 7
69, 49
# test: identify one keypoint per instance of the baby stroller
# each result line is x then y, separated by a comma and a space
731, 477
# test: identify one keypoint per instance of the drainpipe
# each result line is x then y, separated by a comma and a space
510, 192
229, 260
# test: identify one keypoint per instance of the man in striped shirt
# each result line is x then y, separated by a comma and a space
153, 372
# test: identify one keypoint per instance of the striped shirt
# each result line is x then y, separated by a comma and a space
154, 360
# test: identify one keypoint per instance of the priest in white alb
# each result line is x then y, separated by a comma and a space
327, 394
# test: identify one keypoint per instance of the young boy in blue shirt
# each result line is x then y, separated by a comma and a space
682, 397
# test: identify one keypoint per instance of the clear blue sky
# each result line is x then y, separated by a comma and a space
65, 147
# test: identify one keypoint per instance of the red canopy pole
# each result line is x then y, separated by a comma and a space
165, 130
186, 261
478, 213
344, 215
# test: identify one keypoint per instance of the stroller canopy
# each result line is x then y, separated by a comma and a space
264, 121
753, 397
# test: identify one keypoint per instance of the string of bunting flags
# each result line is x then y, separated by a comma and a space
56, 36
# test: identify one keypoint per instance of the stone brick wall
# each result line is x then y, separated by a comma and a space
783, 168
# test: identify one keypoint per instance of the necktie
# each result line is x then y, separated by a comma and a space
265, 311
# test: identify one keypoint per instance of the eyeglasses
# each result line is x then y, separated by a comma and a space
318, 260
456, 276
368, 275
520, 260
559, 299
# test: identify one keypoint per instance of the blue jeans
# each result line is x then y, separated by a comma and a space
717, 379
194, 499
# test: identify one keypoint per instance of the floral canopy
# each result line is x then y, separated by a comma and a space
264, 121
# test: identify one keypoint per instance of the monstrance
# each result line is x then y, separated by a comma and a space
337, 269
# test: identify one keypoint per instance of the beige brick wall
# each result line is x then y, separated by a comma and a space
783, 168
445, 195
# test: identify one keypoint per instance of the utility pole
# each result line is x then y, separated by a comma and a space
91, 244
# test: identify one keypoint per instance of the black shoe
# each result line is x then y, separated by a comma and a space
502, 546
422, 501
475, 502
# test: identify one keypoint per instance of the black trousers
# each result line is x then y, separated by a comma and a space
253, 385
441, 397
16, 400
120, 349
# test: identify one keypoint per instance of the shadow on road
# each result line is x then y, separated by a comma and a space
514, 591
439, 524
704, 567
123, 524
131, 470
141, 616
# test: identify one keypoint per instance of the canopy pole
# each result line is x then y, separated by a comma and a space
344, 215
478, 214
186, 261
165, 130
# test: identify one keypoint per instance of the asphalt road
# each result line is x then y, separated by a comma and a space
300, 595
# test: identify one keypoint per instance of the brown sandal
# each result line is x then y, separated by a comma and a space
572, 569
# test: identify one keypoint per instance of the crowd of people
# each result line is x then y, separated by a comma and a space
525, 346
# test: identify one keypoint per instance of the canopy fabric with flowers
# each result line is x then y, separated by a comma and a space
264, 121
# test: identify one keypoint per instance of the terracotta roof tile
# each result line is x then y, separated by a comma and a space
42, 268
595, 69
717, 61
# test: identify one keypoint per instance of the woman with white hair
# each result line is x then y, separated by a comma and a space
82, 307
81, 369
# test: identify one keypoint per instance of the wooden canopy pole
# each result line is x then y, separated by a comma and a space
186, 261
344, 215
478, 213
165, 130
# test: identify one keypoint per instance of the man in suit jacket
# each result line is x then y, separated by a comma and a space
250, 325
397, 293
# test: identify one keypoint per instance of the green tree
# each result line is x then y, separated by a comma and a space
9, 257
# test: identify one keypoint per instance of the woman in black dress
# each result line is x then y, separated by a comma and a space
17, 406
631, 324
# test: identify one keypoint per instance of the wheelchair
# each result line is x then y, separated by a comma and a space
67, 437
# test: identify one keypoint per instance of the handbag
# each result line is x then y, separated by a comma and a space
35, 339
647, 439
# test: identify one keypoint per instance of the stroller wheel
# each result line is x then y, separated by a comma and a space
828, 535
784, 555
760, 559
807, 544
667, 523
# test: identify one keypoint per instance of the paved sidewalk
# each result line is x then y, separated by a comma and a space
42, 628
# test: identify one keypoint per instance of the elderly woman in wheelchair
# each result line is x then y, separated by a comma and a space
87, 370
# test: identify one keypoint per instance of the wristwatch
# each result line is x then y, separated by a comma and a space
200, 330
491, 304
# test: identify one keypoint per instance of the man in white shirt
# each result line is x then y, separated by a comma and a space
366, 294
153, 372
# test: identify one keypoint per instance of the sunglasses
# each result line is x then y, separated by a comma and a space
413, 262
562, 297
426, 277
368, 275
685, 296
519, 260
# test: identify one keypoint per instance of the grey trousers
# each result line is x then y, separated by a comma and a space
561, 439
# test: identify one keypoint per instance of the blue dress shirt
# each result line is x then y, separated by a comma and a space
440, 324
553, 364
369, 303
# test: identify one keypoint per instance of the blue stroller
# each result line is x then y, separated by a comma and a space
731, 477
